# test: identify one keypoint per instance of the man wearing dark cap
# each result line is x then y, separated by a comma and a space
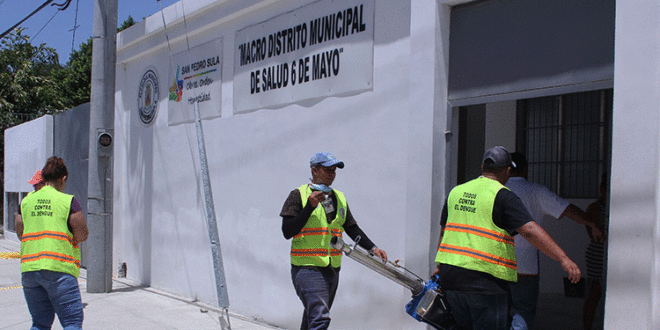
312, 215
476, 256
539, 202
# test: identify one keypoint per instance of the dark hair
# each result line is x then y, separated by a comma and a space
520, 161
54, 169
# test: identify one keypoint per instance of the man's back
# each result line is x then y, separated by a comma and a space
539, 202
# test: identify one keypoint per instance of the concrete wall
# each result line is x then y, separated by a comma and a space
634, 253
385, 136
29, 145
26, 149
74, 149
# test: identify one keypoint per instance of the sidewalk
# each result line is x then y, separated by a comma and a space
128, 306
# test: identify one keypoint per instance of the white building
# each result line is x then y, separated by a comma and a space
408, 95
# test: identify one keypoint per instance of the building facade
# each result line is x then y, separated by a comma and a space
408, 94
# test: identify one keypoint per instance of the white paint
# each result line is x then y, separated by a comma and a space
26, 150
633, 270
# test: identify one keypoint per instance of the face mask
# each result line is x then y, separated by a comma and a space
320, 186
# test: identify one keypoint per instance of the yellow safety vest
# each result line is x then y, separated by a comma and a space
471, 240
311, 247
47, 242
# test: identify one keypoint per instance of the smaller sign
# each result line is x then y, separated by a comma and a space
195, 77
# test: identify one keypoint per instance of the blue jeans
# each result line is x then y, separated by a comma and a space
478, 311
48, 293
316, 288
524, 298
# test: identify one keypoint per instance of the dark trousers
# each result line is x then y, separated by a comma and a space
316, 288
478, 311
524, 296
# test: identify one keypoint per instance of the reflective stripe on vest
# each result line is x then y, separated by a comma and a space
311, 247
47, 242
471, 240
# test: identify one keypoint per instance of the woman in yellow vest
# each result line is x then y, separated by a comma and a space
51, 228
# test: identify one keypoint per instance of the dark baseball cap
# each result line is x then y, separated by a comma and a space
497, 157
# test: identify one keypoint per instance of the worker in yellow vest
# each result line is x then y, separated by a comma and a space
476, 256
51, 227
312, 215
37, 182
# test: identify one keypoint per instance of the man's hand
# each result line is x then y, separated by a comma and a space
572, 269
540, 239
379, 253
315, 198
436, 271
598, 235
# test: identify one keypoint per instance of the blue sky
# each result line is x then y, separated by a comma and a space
57, 34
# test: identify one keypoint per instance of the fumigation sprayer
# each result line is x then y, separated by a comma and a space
428, 303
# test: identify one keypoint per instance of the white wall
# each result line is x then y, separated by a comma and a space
633, 277
27, 147
384, 136
501, 125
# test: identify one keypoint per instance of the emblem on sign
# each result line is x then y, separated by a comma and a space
148, 96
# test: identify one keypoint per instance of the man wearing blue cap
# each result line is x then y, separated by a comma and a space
476, 255
312, 215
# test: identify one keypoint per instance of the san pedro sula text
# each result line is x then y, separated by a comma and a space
323, 65
330, 27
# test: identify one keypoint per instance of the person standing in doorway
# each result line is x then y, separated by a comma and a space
595, 257
539, 202
476, 256
51, 228
312, 214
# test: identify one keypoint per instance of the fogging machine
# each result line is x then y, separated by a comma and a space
428, 302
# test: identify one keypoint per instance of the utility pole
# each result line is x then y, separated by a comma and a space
101, 126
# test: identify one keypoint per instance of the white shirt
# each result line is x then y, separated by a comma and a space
539, 201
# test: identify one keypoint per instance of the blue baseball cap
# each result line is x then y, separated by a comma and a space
326, 159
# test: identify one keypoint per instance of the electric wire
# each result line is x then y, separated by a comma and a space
75, 27
43, 27
62, 6
167, 37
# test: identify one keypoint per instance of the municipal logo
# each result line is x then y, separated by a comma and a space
176, 90
148, 96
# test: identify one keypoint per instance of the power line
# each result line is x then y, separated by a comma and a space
63, 6
75, 27
43, 27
